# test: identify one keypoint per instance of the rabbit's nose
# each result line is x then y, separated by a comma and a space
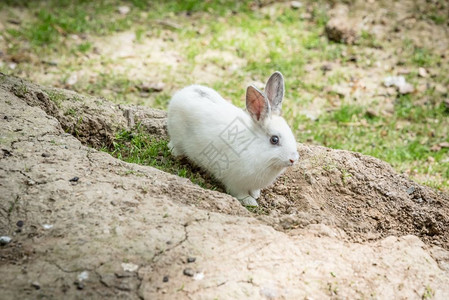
292, 161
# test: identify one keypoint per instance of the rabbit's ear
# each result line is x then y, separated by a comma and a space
257, 104
275, 91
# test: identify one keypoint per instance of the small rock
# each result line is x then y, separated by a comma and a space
444, 144
191, 259
74, 179
372, 113
198, 276
128, 267
83, 276
79, 285
410, 190
188, 272
123, 10
36, 285
73, 78
339, 30
400, 83
20, 223
45, 154
435, 148
151, 87
12, 65
4, 240
295, 4
47, 226
165, 279
422, 72
406, 88
281, 189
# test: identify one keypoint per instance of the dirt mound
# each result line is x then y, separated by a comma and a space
85, 225
359, 194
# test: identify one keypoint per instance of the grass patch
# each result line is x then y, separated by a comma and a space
56, 97
248, 41
138, 147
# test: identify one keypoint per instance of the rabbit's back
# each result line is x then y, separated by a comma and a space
197, 116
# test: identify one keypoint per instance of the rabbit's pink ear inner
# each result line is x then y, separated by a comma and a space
256, 104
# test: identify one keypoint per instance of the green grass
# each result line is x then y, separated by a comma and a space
138, 147
254, 40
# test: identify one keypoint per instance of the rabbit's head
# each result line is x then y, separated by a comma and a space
275, 144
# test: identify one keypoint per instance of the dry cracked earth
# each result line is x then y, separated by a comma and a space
84, 225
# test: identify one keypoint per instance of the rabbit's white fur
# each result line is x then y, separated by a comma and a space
230, 143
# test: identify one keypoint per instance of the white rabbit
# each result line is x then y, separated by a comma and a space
245, 150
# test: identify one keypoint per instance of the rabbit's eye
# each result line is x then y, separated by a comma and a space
274, 139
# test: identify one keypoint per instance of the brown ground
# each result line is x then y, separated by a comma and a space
337, 225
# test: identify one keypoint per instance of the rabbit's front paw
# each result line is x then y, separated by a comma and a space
248, 201
255, 194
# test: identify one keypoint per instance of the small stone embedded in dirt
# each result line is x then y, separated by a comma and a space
296, 4
400, 83
74, 179
411, 190
281, 189
36, 285
72, 80
129, 267
151, 87
19, 223
165, 279
188, 272
30, 182
422, 72
79, 285
123, 10
198, 276
419, 200
191, 259
4, 240
45, 154
444, 144
47, 226
340, 30
83, 276
372, 113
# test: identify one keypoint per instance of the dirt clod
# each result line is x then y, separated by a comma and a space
188, 272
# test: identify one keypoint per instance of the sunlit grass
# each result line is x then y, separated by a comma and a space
230, 44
